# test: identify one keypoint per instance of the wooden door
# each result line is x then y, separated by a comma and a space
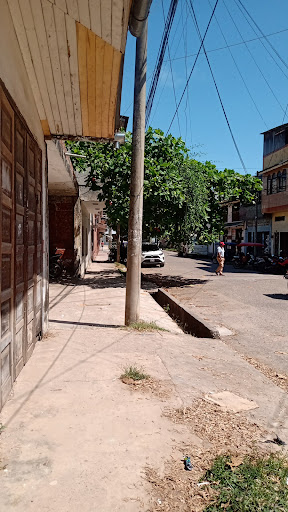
38, 244
31, 246
7, 246
20, 244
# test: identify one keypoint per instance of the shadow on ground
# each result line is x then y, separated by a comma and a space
103, 279
171, 281
279, 296
68, 323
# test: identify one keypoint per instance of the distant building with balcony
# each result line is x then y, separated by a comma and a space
275, 191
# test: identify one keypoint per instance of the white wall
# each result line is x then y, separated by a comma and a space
14, 76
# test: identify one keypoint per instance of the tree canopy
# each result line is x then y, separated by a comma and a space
182, 197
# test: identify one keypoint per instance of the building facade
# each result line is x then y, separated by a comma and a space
61, 69
275, 190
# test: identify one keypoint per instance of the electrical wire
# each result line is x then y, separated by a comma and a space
193, 67
163, 88
234, 44
186, 73
172, 76
216, 86
260, 39
160, 57
252, 57
238, 69
267, 40
285, 113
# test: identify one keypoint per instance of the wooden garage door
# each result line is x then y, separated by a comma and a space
21, 244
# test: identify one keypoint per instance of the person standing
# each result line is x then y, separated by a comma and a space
220, 259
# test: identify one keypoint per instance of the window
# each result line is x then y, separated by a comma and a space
275, 140
274, 184
269, 185
279, 180
279, 140
268, 143
279, 219
283, 181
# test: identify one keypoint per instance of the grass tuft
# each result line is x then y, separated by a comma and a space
132, 372
256, 484
146, 326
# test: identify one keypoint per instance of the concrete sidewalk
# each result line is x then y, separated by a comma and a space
76, 437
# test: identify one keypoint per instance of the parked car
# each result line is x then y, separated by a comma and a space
152, 255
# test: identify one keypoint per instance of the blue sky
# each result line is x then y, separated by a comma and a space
202, 122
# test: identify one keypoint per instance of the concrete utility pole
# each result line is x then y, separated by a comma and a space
133, 276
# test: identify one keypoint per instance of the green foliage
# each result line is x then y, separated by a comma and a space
258, 484
132, 372
146, 326
182, 197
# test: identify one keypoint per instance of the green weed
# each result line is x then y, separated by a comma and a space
253, 485
132, 372
146, 326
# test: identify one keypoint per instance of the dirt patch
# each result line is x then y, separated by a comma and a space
158, 388
223, 429
279, 379
222, 432
48, 334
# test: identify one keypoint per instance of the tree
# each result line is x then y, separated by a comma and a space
109, 173
183, 198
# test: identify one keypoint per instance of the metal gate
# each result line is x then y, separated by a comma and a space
21, 243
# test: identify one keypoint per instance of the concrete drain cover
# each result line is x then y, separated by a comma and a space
232, 402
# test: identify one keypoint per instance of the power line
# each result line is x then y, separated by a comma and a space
160, 57
235, 44
285, 113
187, 81
186, 73
155, 110
216, 87
270, 44
252, 56
238, 69
260, 39
172, 76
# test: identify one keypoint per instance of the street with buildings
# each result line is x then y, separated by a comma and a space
75, 432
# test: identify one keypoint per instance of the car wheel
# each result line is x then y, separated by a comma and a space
161, 264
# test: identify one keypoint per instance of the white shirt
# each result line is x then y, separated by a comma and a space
221, 251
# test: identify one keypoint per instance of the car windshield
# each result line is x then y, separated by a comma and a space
150, 247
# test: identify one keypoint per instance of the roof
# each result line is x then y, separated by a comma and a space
73, 52
272, 168
276, 128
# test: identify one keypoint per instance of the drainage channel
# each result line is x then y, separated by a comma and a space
188, 321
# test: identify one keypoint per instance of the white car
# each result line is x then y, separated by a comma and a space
152, 255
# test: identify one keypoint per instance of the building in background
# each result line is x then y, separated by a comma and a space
275, 191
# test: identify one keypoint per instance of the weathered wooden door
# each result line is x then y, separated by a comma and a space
7, 246
21, 244
31, 246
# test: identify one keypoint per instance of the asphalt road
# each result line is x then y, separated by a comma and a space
250, 309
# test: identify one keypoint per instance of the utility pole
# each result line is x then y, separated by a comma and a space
133, 275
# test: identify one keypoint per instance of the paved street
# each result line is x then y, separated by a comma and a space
253, 306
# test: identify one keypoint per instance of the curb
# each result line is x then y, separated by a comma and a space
190, 322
